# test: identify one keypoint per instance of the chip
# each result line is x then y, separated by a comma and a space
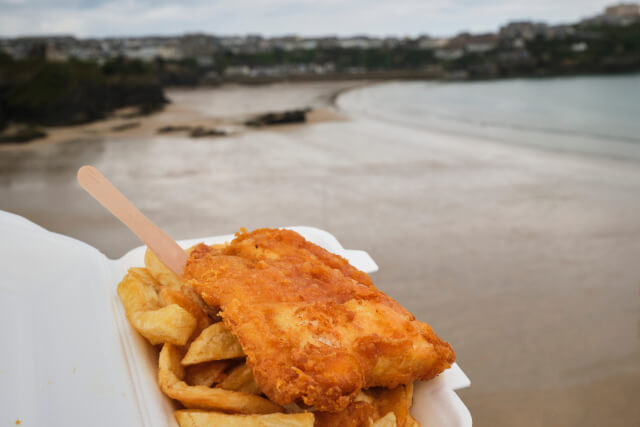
184, 300
144, 310
170, 324
197, 366
191, 418
165, 278
207, 373
357, 414
214, 343
136, 295
388, 420
171, 374
241, 379
397, 400
161, 272
370, 405
145, 277
411, 422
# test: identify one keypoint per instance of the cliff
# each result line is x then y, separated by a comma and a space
58, 94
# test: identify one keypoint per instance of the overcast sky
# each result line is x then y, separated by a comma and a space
91, 18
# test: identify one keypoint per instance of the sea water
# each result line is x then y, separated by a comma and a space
594, 115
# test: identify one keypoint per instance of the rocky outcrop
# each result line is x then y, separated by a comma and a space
278, 118
58, 94
3, 122
21, 134
194, 131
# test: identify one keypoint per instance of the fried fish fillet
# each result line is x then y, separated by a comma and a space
315, 330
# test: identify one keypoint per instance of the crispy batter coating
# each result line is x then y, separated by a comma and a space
315, 330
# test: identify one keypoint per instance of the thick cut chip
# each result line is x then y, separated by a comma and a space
411, 422
145, 277
161, 272
214, 343
136, 295
207, 373
357, 414
143, 309
184, 300
194, 418
388, 420
313, 327
165, 278
171, 375
241, 379
171, 324
371, 405
397, 400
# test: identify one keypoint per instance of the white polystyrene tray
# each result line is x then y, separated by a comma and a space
69, 357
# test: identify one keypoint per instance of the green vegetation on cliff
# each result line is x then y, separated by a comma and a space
63, 93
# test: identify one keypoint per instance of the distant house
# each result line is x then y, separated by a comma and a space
149, 52
621, 14
429, 43
448, 54
560, 31
579, 47
53, 53
361, 42
237, 71
623, 10
327, 42
480, 43
526, 30
513, 57
464, 43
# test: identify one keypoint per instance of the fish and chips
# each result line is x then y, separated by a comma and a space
272, 330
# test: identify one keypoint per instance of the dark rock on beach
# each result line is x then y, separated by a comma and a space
3, 122
278, 118
171, 128
200, 131
21, 134
194, 131
125, 126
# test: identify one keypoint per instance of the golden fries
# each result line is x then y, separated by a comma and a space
214, 343
196, 365
161, 272
170, 324
388, 420
137, 295
191, 418
372, 405
411, 422
241, 379
356, 414
143, 309
397, 400
145, 277
207, 373
170, 378
175, 296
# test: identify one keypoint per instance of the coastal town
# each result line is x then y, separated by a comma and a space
64, 80
212, 58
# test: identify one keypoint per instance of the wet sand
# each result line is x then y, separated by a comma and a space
525, 260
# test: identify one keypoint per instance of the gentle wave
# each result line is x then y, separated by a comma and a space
594, 115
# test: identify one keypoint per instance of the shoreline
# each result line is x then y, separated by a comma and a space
326, 108
176, 113
565, 140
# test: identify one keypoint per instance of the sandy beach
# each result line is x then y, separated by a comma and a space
525, 260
